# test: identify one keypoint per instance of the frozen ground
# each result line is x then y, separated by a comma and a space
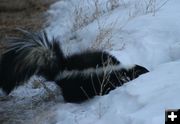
136, 33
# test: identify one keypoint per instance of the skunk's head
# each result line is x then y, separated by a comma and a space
136, 71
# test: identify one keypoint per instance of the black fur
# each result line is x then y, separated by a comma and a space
78, 86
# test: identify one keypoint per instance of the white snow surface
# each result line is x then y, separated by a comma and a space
148, 37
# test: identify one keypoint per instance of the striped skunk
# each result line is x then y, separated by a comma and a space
80, 76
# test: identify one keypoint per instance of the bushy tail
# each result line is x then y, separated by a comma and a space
24, 57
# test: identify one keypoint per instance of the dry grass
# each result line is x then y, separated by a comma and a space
26, 14
83, 18
103, 39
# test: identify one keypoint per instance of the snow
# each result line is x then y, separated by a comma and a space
137, 36
146, 39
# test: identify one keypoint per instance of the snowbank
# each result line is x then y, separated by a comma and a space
135, 34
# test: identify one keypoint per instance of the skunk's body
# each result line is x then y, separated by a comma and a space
80, 76
78, 86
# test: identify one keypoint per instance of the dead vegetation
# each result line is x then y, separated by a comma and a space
26, 14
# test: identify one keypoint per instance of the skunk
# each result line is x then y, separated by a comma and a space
36, 54
80, 76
